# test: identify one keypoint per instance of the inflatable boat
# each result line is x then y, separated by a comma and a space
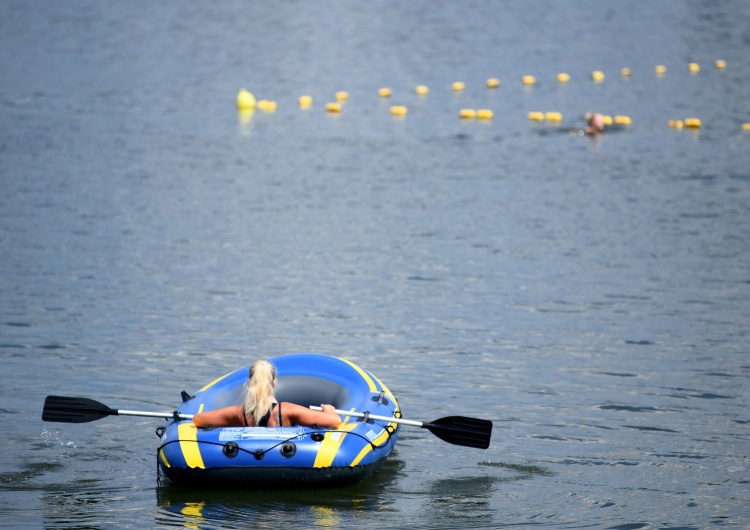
282, 455
285, 455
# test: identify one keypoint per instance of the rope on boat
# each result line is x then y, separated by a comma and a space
260, 453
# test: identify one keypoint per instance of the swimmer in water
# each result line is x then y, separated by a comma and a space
594, 124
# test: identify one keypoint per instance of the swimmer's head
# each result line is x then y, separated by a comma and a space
595, 121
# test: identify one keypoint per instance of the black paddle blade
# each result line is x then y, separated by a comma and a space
458, 430
74, 410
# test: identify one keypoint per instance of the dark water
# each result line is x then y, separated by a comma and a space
588, 296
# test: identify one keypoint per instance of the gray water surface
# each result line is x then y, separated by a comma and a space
589, 296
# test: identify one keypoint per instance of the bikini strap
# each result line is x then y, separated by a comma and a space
264, 420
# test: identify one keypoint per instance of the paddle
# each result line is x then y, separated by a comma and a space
81, 410
457, 430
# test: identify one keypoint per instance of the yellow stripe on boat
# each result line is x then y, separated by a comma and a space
364, 375
163, 458
180, 430
366, 449
376, 442
212, 383
188, 436
332, 443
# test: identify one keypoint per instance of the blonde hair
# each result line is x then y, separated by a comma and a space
259, 390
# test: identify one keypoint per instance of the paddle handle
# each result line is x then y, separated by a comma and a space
374, 417
165, 415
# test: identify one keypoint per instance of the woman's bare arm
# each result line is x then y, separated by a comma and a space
226, 417
293, 414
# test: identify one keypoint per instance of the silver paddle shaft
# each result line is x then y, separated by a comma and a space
374, 417
166, 415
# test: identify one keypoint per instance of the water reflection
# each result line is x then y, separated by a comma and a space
241, 507
193, 513
259, 508
245, 119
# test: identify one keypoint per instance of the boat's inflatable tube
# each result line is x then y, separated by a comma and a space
285, 455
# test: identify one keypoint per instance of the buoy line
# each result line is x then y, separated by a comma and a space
247, 103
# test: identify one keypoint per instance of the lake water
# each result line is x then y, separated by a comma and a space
588, 295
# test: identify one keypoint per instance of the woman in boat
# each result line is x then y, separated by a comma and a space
260, 408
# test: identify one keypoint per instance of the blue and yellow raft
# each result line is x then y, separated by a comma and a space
285, 455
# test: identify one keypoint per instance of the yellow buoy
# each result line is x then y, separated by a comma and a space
661, 69
694, 68
422, 90
493, 82
245, 100
398, 110
607, 120
626, 72
746, 126
333, 107
305, 101
266, 105
528, 80
485, 114
623, 120
458, 86
692, 123
721, 64
467, 114
384, 92
675, 124
597, 76
536, 116
553, 117
562, 77
342, 95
